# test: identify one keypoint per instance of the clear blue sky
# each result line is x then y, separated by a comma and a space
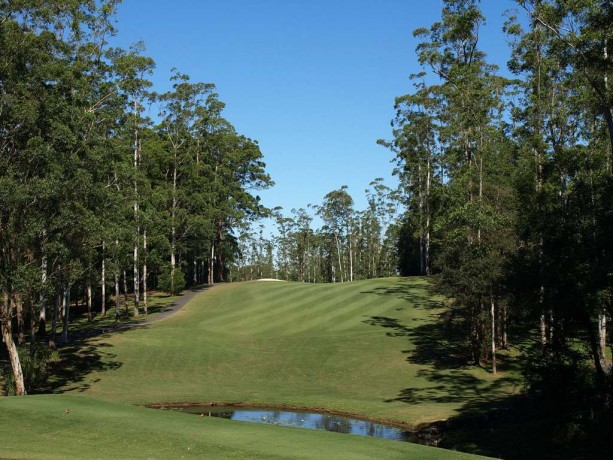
313, 81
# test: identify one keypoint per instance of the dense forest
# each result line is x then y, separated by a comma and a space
506, 185
96, 197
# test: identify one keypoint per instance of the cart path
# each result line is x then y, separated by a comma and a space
177, 304
169, 310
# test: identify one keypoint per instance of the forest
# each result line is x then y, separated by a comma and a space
108, 187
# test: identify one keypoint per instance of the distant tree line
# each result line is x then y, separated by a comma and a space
350, 244
97, 199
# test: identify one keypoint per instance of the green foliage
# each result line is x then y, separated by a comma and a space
562, 378
35, 364
166, 283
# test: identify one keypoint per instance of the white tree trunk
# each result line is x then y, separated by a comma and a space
602, 336
137, 146
89, 300
7, 338
117, 296
493, 317
125, 291
338, 251
427, 236
103, 284
42, 316
350, 257
211, 276
66, 309
145, 271
173, 229
136, 279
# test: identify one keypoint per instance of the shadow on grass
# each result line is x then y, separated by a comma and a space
490, 421
439, 344
78, 359
87, 352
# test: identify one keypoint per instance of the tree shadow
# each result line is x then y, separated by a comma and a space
434, 343
438, 342
79, 358
411, 291
76, 363
490, 420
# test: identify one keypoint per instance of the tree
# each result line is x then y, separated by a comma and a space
456, 125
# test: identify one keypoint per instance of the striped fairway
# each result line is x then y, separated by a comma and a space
295, 343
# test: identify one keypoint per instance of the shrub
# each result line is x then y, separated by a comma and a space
165, 284
35, 363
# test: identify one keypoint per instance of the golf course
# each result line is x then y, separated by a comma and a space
371, 348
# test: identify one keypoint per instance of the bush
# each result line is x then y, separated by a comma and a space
165, 284
563, 378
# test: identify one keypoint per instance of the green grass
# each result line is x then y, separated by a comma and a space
157, 302
371, 348
40, 427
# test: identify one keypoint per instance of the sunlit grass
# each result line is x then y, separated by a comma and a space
371, 347
60, 426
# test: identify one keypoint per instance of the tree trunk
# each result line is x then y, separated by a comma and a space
136, 281
33, 324
543, 329
125, 292
66, 303
42, 301
89, 300
103, 284
427, 236
18, 307
173, 229
338, 251
493, 318
117, 296
56, 308
145, 271
7, 338
602, 336
504, 342
350, 257
137, 146
211, 279
475, 338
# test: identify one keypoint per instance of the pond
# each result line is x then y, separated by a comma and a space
306, 420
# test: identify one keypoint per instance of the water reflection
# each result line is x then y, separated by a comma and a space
306, 420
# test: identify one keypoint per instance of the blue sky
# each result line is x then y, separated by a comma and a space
312, 81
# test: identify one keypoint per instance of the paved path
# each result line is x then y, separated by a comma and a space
121, 327
176, 305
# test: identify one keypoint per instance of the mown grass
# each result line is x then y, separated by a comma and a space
66, 426
372, 348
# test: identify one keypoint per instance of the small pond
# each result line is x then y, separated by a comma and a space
307, 420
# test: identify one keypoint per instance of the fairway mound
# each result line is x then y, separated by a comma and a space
270, 279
